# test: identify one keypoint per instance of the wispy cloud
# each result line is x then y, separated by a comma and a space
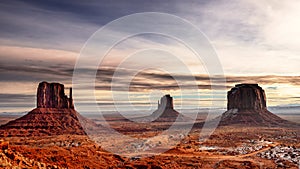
14, 97
255, 41
278, 88
250, 34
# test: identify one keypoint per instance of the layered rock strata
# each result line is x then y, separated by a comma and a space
54, 115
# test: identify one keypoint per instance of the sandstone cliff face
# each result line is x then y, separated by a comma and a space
52, 95
246, 97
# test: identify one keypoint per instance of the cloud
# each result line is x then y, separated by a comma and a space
23, 64
63, 25
249, 34
278, 88
16, 102
282, 24
14, 97
144, 80
25, 24
255, 41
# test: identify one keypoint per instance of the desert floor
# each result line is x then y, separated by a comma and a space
228, 147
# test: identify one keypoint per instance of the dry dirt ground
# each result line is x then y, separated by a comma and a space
228, 147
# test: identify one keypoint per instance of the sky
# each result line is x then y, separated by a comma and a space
256, 42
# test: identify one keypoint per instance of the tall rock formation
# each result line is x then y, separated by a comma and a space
246, 97
54, 115
166, 101
165, 111
52, 95
246, 105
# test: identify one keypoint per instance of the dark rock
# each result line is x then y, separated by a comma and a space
155, 167
4, 145
141, 166
166, 113
246, 97
247, 106
165, 110
166, 102
52, 95
54, 115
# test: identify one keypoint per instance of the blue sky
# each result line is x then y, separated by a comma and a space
255, 41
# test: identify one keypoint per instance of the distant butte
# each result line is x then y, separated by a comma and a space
247, 106
166, 112
165, 108
54, 115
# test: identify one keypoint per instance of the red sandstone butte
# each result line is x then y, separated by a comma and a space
246, 105
54, 115
52, 95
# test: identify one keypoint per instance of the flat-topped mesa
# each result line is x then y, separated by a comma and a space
166, 100
52, 95
246, 97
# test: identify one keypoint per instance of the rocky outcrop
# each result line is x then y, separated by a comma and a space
12, 159
166, 102
165, 111
246, 97
54, 115
52, 95
247, 106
